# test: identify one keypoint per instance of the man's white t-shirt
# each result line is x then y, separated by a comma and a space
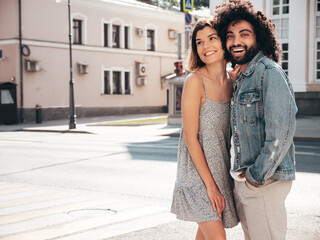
234, 174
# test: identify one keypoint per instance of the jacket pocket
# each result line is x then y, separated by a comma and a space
250, 106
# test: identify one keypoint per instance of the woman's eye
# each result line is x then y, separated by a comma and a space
198, 43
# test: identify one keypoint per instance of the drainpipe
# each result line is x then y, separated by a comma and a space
21, 67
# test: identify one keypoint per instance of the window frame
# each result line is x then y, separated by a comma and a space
154, 28
84, 20
77, 32
317, 43
125, 78
124, 33
106, 40
281, 7
151, 47
280, 28
116, 36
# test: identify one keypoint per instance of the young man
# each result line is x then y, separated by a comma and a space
263, 123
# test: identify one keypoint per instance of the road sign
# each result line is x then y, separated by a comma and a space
187, 5
188, 18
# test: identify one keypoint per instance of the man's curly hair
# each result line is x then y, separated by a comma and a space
235, 10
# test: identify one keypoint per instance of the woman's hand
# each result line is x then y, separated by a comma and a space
217, 200
234, 72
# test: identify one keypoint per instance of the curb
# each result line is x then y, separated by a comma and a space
296, 139
175, 134
306, 139
56, 131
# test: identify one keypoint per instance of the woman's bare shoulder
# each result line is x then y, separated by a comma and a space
194, 79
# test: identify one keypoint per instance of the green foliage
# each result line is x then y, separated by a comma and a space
171, 3
200, 3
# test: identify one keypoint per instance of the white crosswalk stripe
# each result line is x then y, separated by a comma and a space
61, 214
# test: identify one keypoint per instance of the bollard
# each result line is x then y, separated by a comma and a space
38, 113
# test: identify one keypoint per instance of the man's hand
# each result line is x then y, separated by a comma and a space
244, 175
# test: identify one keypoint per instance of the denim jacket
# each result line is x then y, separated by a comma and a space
263, 122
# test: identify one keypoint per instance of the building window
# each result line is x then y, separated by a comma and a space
107, 84
150, 40
285, 52
280, 18
280, 7
6, 96
178, 95
318, 41
116, 83
115, 36
282, 28
126, 37
318, 60
106, 29
77, 31
127, 87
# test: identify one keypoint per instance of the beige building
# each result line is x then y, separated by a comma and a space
121, 52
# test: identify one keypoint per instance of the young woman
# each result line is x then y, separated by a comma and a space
203, 189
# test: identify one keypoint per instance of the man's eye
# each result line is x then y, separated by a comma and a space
229, 36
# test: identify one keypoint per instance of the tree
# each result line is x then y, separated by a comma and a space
200, 3
175, 3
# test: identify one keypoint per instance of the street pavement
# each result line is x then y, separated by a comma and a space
308, 127
26, 209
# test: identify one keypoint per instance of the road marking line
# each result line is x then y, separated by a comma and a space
51, 210
308, 153
86, 224
34, 199
124, 227
15, 190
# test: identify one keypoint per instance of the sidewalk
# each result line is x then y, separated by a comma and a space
308, 127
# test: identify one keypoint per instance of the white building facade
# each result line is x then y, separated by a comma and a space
121, 50
298, 31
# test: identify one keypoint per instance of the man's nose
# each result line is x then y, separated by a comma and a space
236, 40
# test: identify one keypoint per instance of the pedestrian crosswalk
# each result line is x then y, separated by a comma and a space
34, 212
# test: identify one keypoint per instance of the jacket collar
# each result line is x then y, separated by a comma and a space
253, 64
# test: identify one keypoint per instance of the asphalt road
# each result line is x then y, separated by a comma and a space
116, 184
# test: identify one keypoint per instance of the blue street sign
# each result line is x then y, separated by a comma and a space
188, 18
187, 5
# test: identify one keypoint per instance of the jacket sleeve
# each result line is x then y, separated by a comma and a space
279, 110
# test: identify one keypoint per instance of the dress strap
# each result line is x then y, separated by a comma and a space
204, 86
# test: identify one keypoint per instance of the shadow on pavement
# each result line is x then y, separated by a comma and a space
162, 150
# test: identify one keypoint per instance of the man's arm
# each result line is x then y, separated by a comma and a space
279, 115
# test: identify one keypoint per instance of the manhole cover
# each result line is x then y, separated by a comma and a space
92, 212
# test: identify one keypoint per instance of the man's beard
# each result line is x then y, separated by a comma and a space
248, 56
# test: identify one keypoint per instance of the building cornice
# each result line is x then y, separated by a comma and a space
87, 48
129, 8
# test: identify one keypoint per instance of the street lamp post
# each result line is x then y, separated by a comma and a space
72, 114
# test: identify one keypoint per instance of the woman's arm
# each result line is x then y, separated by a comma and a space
192, 99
